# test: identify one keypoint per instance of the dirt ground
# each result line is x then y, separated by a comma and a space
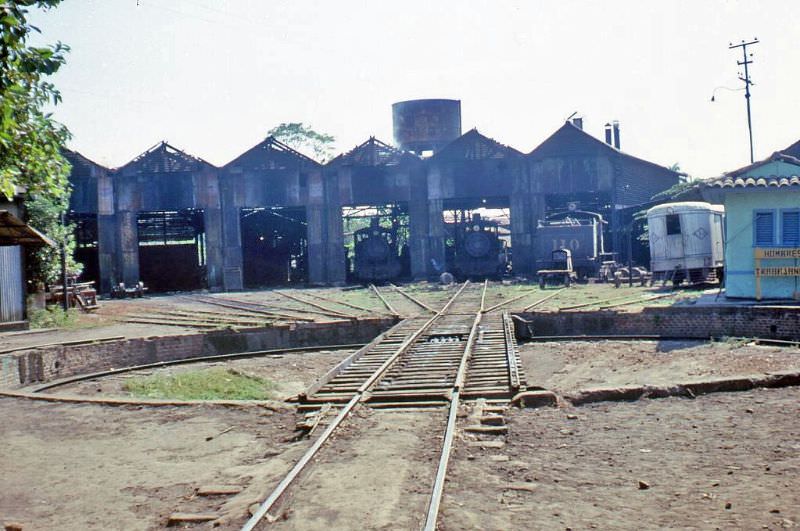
569, 366
723, 461
291, 373
71, 466
77, 467
377, 474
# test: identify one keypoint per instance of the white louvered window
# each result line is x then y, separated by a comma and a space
764, 232
790, 227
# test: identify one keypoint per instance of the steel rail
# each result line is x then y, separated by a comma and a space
357, 397
512, 299
413, 299
449, 434
646, 299
384, 301
331, 312
543, 300
254, 307
343, 303
628, 296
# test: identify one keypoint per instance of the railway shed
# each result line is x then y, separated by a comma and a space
273, 216
472, 172
373, 176
574, 170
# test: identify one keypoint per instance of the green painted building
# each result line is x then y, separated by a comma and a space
762, 236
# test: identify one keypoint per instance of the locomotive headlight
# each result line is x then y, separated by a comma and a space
476, 227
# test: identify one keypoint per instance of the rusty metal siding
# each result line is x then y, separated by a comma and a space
12, 288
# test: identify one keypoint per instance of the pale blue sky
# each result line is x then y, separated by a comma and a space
212, 77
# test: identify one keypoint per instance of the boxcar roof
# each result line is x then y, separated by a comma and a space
685, 206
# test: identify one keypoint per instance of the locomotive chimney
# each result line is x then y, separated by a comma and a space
608, 134
616, 134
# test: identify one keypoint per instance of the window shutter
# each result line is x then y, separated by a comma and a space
791, 228
765, 225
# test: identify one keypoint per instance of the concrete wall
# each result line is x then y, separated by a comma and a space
740, 243
701, 322
46, 364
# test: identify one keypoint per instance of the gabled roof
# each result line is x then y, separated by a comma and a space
164, 158
77, 156
472, 145
81, 165
570, 139
793, 150
755, 177
778, 156
271, 154
373, 152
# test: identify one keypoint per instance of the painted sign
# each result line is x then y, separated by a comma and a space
774, 253
777, 253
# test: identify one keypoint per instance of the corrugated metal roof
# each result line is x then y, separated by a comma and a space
14, 231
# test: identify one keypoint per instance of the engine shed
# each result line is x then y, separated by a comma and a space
273, 215
572, 170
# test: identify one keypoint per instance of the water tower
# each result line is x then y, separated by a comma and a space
426, 126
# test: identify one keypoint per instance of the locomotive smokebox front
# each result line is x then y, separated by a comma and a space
426, 125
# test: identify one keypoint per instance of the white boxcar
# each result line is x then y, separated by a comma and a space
686, 241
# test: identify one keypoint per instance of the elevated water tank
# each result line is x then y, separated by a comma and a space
426, 125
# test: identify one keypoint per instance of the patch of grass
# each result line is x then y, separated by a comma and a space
53, 317
205, 384
731, 343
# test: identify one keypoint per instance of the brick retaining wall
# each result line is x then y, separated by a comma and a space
46, 364
701, 322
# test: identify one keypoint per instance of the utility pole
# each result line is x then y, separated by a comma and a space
64, 279
747, 84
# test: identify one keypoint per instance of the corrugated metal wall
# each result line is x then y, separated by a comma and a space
12, 298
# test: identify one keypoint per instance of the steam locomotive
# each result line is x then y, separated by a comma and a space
378, 256
478, 251
579, 231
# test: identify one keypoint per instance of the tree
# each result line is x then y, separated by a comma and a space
43, 264
31, 141
298, 136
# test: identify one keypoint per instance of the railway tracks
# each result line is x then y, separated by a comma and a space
461, 352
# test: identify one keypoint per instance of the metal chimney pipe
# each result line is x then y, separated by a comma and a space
616, 134
608, 134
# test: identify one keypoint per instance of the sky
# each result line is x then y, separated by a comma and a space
213, 76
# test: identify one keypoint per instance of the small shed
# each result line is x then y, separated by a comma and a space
15, 234
762, 241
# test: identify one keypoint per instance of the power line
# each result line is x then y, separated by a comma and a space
747, 82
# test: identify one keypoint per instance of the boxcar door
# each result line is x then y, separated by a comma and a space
674, 244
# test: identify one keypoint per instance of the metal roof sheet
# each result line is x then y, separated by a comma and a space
14, 231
